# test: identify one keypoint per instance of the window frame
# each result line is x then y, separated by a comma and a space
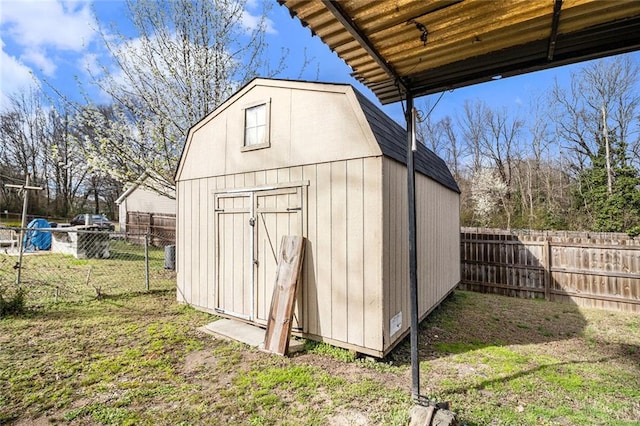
267, 125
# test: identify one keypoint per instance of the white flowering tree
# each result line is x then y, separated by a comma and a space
187, 57
488, 192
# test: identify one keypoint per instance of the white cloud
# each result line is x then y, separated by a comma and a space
65, 25
14, 77
89, 64
39, 60
251, 22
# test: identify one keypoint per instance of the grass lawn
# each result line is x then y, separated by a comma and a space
137, 358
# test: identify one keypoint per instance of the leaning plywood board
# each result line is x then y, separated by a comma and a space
284, 294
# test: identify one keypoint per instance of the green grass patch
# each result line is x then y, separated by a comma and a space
456, 347
321, 348
137, 358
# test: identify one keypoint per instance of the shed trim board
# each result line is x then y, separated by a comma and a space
342, 187
259, 188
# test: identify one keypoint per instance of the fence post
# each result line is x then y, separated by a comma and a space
146, 260
547, 268
20, 253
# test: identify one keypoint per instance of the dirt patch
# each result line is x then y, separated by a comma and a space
349, 418
40, 421
198, 360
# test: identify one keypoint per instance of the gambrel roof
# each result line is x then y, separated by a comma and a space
392, 139
350, 125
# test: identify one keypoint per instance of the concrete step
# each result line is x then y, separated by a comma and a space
242, 332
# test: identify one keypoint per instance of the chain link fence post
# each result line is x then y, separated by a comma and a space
20, 254
146, 260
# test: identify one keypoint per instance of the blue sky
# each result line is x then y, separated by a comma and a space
56, 40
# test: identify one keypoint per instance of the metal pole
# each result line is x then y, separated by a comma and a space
146, 260
23, 225
413, 257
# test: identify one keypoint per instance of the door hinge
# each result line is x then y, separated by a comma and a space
290, 209
252, 221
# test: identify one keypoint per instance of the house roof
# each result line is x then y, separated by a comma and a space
429, 46
392, 139
130, 187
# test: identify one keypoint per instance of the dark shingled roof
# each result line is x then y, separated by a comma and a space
392, 139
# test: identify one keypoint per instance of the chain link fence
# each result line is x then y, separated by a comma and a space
73, 264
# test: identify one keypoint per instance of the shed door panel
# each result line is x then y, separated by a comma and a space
278, 213
233, 254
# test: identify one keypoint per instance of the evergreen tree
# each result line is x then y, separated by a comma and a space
618, 211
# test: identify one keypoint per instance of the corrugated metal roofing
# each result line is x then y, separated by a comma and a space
429, 46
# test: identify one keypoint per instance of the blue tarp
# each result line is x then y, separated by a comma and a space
35, 239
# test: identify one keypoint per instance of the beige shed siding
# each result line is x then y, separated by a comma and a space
342, 213
302, 129
438, 239
395, 261
438, 223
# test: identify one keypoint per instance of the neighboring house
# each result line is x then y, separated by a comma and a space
322, 161
139, 204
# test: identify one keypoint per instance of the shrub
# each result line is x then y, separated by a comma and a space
12, 304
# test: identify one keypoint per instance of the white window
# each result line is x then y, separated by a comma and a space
256, 126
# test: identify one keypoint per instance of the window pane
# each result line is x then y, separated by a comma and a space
249, 118
260, 134
250, 137
255, 125
260, 111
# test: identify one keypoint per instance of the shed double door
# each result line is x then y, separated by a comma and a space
249, 230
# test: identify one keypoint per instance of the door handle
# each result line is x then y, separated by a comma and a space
290, 209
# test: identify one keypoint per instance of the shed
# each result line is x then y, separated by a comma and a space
319, 160
142, 200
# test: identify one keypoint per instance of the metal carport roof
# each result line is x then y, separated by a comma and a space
430, 46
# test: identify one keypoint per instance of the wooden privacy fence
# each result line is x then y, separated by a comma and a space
600, 270
161, 228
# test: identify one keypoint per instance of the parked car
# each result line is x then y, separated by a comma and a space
98, 220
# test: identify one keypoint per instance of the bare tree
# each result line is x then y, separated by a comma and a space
492, 138
606, 85
454, 151
68, 166
472, 125
23, 132
533, 167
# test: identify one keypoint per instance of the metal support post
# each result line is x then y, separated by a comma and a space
413, 256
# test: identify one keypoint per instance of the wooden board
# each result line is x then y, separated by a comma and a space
284, 293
